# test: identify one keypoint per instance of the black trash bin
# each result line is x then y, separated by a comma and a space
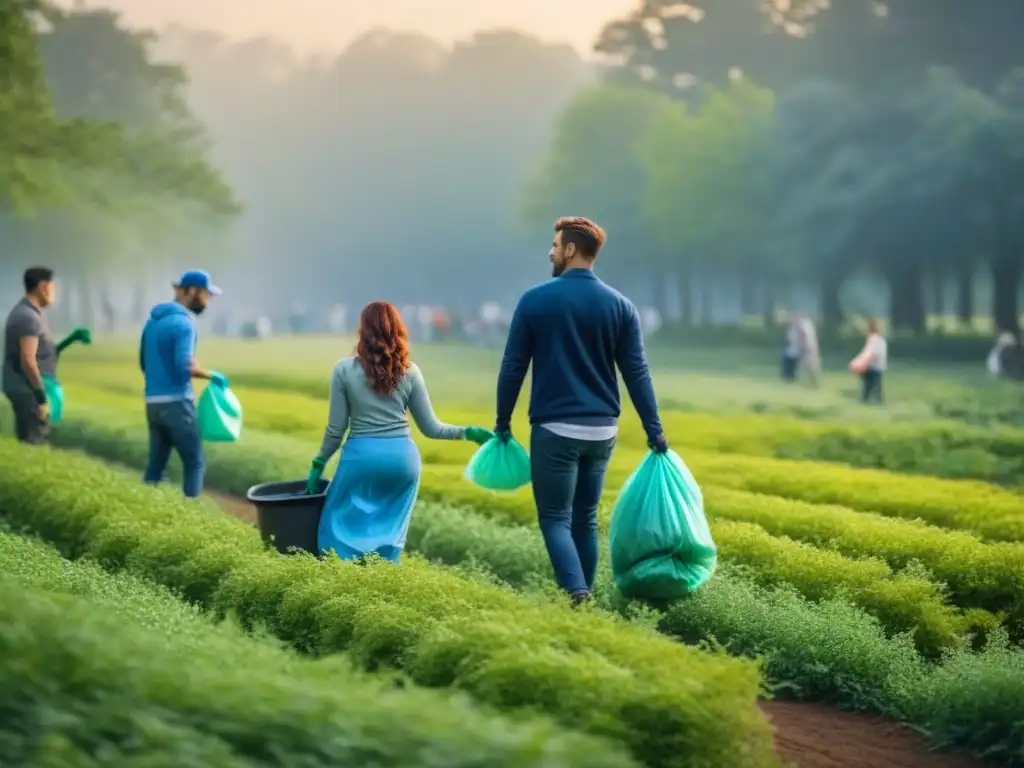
287, 516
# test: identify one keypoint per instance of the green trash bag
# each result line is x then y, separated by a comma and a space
55, 397
661, 546
499, 466
219, 414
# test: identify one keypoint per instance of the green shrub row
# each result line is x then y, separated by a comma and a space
670, 704
989, 511
906, 601
941, 450
978, 574
101, 669
827, 651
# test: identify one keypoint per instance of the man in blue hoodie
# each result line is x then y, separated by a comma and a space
576, 330
167, 358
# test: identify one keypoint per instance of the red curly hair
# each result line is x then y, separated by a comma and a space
383, 347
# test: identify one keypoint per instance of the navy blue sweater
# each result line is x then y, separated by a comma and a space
576, 329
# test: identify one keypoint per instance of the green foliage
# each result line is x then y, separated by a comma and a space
91, 122
670, 704
110, 669
903, 601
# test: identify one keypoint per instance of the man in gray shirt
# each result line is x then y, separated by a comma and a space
30, 354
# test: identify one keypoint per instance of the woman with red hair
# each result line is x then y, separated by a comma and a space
370, 499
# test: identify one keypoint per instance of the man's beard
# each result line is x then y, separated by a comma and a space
557, 270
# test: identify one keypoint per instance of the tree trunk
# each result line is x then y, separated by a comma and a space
831, 310
939, 297
685, 291
907, 310
1007, 271
707, 300
108, 309
748, 294
965, 294
768, 309
1007, 264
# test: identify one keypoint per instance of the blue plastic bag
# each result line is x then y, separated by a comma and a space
55, 397
499, 466
219, 414
661, 545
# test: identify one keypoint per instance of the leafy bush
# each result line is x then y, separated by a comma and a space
285, 405
670, 704
902, 601
79, 685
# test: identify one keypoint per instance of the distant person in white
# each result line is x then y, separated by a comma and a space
809, 354
871, 363
994, 363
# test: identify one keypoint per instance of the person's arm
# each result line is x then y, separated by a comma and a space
631, 358
183, 351
28, 347
515, 362
423, 411
142, 352
337, 418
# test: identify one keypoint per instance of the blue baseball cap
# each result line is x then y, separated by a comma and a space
196, 278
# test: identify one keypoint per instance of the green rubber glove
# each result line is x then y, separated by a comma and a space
478, 435
316, 471
77, 336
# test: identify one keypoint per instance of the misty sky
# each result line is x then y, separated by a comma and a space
327, 25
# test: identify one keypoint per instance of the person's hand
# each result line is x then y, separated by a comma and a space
82, 336
503, 434
43, 411
316, 471
219, 380
478, 435
658, 444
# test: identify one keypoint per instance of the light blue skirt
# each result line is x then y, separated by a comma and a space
370, 498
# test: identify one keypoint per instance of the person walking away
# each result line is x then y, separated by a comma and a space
995, 361
575, 330
871, 363
791, 350
31, 354
167, 359
371, 496
809, 354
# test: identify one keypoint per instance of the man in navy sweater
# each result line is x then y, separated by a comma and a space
575, 330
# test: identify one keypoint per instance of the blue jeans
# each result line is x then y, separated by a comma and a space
568, 477
174, 425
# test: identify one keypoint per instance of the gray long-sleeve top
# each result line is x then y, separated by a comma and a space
365, 413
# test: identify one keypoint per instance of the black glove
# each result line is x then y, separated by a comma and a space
503, 433
658, 443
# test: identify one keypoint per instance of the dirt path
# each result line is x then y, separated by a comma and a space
807, 735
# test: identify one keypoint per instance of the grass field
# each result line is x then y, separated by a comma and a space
872, 559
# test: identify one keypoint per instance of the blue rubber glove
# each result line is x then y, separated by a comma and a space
316, 471
219, 380
478, 435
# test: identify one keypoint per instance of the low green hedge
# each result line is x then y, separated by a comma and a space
906, 601
107, 670
672, 705
827, 651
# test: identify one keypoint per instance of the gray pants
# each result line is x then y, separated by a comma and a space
27, 425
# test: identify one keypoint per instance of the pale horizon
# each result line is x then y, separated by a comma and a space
326, 26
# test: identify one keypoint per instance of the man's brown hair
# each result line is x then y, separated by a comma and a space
587, 236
